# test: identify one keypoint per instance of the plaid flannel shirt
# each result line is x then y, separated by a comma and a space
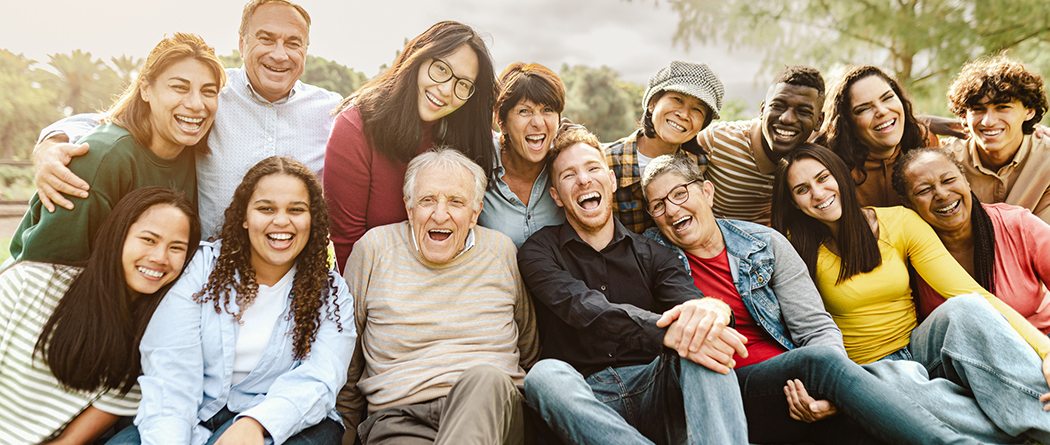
628, 202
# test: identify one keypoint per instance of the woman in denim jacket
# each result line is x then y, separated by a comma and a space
791, 338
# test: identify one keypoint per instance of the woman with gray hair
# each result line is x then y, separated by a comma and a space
791, 339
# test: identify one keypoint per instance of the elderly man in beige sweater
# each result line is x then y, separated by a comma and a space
446, 326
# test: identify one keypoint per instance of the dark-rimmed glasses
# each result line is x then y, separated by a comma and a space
678, 195
441, 72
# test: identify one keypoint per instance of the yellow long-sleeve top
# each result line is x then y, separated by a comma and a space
875, 310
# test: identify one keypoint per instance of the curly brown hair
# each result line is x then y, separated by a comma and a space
1002, 80
313, 286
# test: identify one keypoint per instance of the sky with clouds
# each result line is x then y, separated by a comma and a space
633, 37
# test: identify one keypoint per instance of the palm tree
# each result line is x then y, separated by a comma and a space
127, 68
87, 83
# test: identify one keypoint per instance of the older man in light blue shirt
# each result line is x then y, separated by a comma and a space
264, 111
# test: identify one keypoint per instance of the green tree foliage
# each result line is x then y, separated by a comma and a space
734, 110
233, 60
596, 98
127, 68
85, 84
922, 42
332, 76
25, 106
320, 72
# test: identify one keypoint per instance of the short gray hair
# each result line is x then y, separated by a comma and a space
679, 163
445, 158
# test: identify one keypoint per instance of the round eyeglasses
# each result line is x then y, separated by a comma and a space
678, 195
441, 72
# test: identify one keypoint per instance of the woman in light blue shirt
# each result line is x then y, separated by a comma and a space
528, 111
252, 344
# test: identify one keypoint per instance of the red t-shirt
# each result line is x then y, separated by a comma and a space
714, 278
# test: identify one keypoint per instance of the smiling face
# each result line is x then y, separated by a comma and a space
815, 191
938, 192
997, 129
441, 212
437, 100
583, 185
182, 102
274, 49
155, 249
529, 130
690, 225
789, 116
278, 225
877, 114
678, 117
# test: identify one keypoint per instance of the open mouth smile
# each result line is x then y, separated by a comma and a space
439, 234
886, 125
434, 100
827, 203
150, 273
948, 209
589, 201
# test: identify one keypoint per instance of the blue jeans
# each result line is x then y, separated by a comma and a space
885, 414
668, 401
976, 373
327, 432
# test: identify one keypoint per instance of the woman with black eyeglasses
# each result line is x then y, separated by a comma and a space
440, 90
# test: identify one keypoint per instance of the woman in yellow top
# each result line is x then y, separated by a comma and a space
859, 259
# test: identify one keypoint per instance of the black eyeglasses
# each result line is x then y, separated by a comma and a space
678, 195
441, 72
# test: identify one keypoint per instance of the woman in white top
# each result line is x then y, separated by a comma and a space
252, 344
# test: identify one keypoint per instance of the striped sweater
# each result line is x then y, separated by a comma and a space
33, 405
742, 190
422, 324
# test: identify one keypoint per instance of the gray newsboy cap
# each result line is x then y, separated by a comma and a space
694, 79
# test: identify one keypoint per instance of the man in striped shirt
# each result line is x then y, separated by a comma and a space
446, 327
742, 155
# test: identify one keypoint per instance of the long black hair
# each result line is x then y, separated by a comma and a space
92, 339
857, 244
389, 103
980, 223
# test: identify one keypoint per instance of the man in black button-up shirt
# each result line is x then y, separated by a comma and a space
613, 309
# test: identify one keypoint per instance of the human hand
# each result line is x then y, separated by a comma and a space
1045, 398
699, 320
716, 354
245, 430
563, 125
1040, 131
804, 408
53, 178
943, 126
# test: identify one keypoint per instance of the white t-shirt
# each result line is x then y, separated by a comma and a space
643, 161
257, 322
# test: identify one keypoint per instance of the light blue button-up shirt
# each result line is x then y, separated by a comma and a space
247, 129
503, 211
187, 362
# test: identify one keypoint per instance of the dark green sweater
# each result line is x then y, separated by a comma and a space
114, 166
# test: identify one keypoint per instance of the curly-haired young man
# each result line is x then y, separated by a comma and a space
1000, 102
